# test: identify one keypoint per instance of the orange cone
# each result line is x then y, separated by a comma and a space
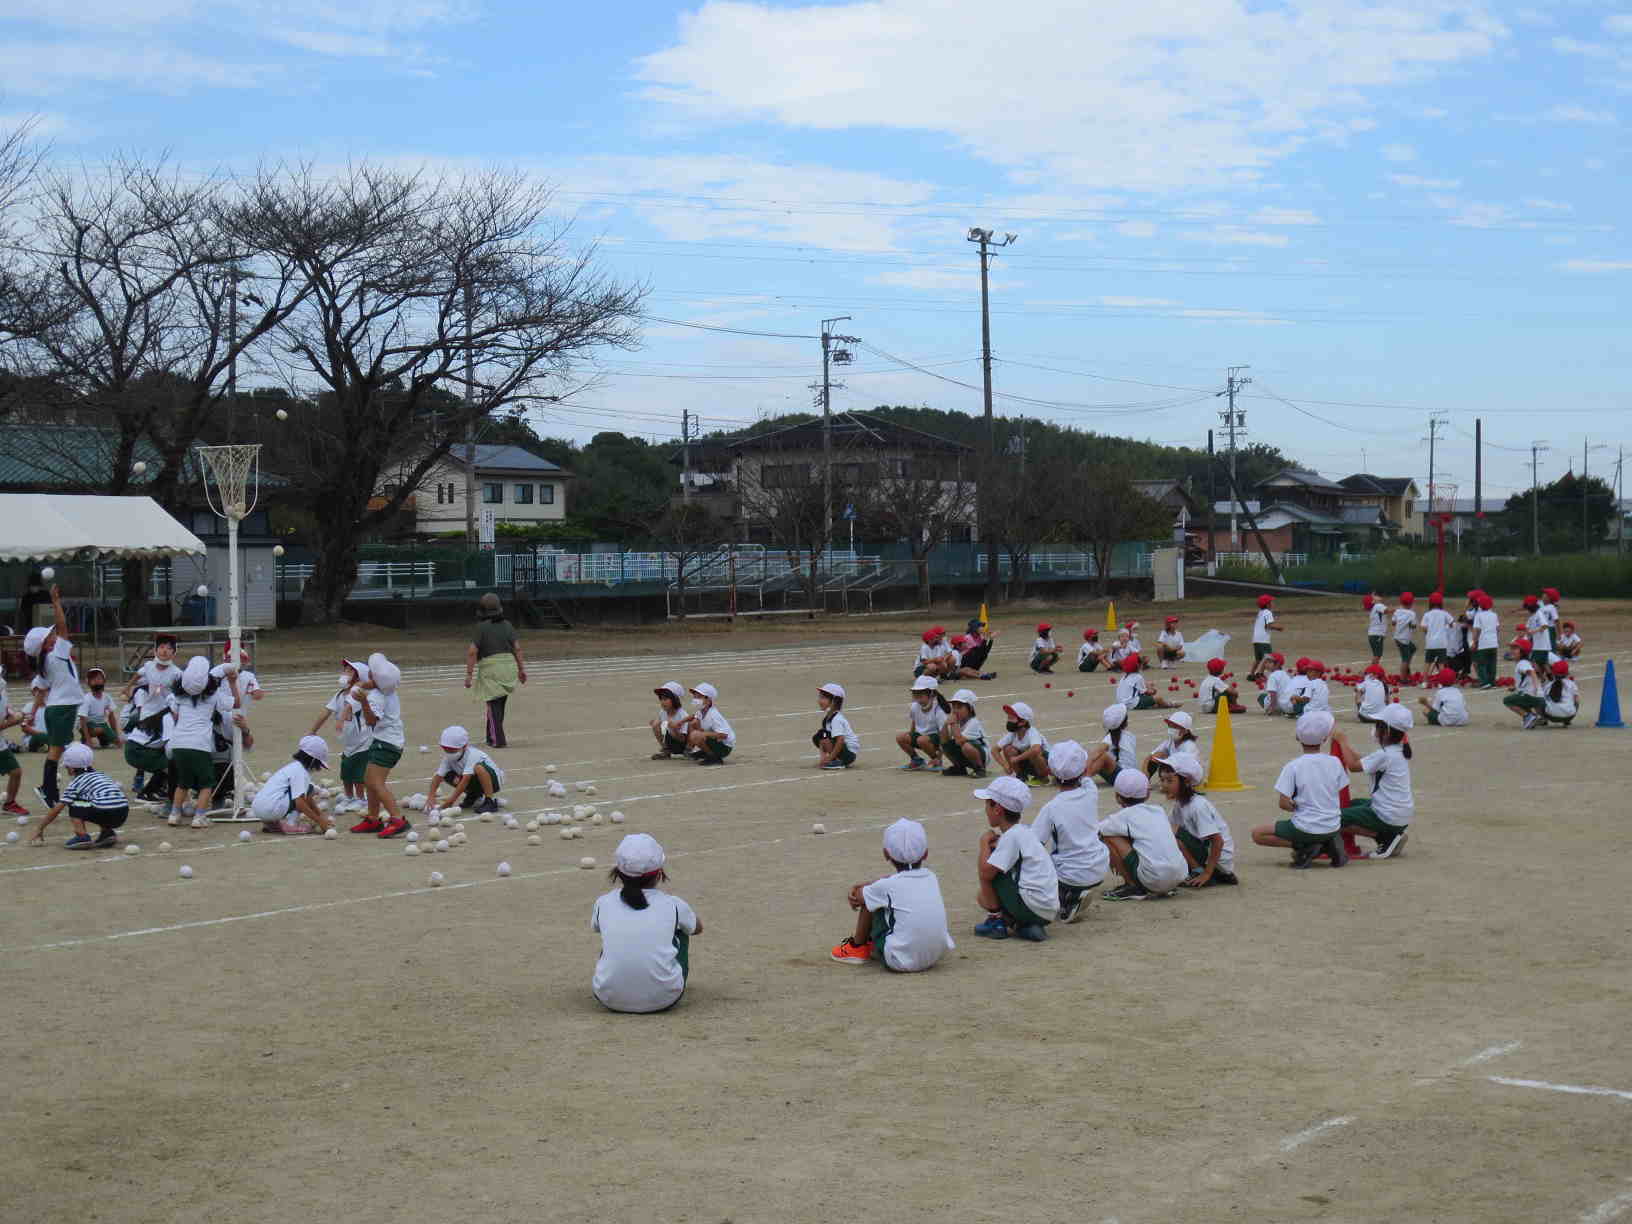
1222, 772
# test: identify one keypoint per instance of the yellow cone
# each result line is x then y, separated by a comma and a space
1110, 617
985, 622
1222, 772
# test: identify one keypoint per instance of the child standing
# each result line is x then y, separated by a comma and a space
1088, 652
1170, 643
1376, 625
1018, 888
150, 689
964, 739
1119, 748
711, 737
1405, 628
1525, 699
1199, 829
1387, 814
1436, 633
52, 655
380, 701
669, 727
1371, 694
284, 802
836, 741
1068, 828
98, 721
645, 934
1023, 752
926, 716
1487, 628
1562, 696
1140, 841
196, 698
1214, 688
91, 798
1309, 789
355, 737
472, 777
1262, 626
1538, 627
1445, 706
900, 918
1044, 653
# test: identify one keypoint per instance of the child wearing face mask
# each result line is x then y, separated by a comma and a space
926, 719
711, 738
149, 690
98, 721
355, 737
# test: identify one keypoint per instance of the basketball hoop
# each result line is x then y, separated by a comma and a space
1441, 510
236, 472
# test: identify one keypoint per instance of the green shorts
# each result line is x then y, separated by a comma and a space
382, 753
717, 748
59, 724
1541, 658
1433, 657
100, 733
1406, 649
8, 761
1017, 911
192, 769
37, 743
917, 671
1433, 718
1289, 832
1145, 702
978, 745
1376, 644
879, 934
1259, 651
140, 756
1361, 815
353, 767
846, 757
1089, 664
1524, 701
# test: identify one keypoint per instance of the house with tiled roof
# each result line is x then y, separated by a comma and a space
515, 484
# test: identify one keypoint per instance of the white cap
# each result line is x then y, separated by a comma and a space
639, 854
832, 690
1180, 718
705, 690
1399, 717
1314, 727
967, 696
314, 747
1020, 710
1114, 716
673, 688
35, 639
1185, 765
454, 739
1012, 793
906, 842
195, 677
360, 668
1067, 759
385, 674
77, 756
1131, 784
925, 682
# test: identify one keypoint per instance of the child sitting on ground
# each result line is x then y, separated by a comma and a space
1181, 741
711, 738
284, 804
934, 656
1170, 643
1445, 706
926, 716
98, 720
1088, 653
1022, 752
1569, 641
1119, 749
1201, 832
1309, 790
836, 741
964, 739
1371, 694
900, 918
1562, 698
1214, 688
1313, 696
1133, 690
91, 798
472, 777
1044, 653
1386, 815
1525, 700
1068, 828
1140, 841
670, 726
645, 934
1018, 888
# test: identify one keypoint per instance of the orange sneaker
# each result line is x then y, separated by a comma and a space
851, 953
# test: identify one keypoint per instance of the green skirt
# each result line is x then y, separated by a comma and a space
496, 677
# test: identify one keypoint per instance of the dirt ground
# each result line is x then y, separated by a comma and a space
306, 1030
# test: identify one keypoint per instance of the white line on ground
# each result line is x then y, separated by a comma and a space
1573, 1089
1490, 1052
1304, 1136
1609, 1209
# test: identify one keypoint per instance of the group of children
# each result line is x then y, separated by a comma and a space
1468, 643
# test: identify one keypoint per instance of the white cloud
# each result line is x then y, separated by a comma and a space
1284, 216
1547, 205
1417, 182
48, 69
1577, 114
1136, 303
1140, 97
1399, 153
1597, 265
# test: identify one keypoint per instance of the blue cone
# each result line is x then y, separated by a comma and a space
1609, 705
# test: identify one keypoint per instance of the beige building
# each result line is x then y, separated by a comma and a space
515, 484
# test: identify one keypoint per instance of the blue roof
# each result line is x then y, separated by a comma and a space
506, 458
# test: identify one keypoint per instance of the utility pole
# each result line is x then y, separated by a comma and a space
1620, 513
1233, 421
1479, 488
1434, 422
1586, 530
470, 422
829, 355
1535, 498
983, 237
1212, 510
685, 455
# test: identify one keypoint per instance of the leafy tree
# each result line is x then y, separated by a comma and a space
1559, 511
1103, 509
920, 507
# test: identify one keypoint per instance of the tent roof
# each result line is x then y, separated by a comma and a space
46, 526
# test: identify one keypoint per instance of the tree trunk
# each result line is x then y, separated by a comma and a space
1017, 574
1102, 564
923, 580
335, 571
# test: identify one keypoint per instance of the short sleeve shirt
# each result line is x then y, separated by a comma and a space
494, 637
1068, 828
1314, 781
639, 966
914, 916
1038, 883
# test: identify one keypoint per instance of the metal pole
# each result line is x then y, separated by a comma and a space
234, 633
1620, 513
1584, 530
1535, 501
827, 442
685, 449
988, 466
1212, 508
1233, 382
1478, 488
470, 423
232, 348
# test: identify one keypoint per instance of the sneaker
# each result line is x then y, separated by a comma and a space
993, 928
1032, 932
487, 805
1530, 721
107, 838
201, 821
977, 773
80, 841
1034, 782
849, 952
913, 765
835, 765
988, 675
1303, 856
1073, 903
394, 828
1128, 892
14, 809
708, 760
1220, 876
662, 756
1389, 848
955, 771
368, 825
1335, 851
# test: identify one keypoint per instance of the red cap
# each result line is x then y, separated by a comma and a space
1215, 666
1172, 620
1131, 663
938, 630
1090, 635
1486, 603
1551, 593
1043, 626
1277, 656
1375, 669
1530, 601
1566, 625
1265, 600
1407, 599
1314, 665
1367, 601
1521, 644
1445, 676
929, 636
1436, 600
1560, 668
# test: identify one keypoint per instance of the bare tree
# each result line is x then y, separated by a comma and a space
784, 496
690, 534
1026, 510
920, 501
409, 279
1102, 508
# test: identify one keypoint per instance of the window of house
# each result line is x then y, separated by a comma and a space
546, 495
784, 475
441, 490
524, 495
493, 494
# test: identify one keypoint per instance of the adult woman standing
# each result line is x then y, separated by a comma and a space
493, 664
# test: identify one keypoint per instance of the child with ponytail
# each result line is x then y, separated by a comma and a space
1386, 815
645, 934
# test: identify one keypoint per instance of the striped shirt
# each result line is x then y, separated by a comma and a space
95, 789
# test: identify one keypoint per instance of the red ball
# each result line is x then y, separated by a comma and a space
1046, 684
1070, 693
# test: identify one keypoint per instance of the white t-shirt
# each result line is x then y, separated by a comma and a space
1039, 886
1405, 624
95, 709
1315, 780
63, 676
1541, 627
1568, 639
1488, 627
1525, 678
1085, 652
248, 685
1134, 645
355, 735
1568, 700
1044, 643
839, 728
1278, 683
1319, 694
1130, 688
1127, 755
1173, 640
1436, 628
1200, 819
972, 730
156, 679
1211, 688
1029, 738
1162, 866
456, 765
1390, 784
674, 722
195, 720
387, 707
1260, 626
1450, 705
1117, 652
926, 652
1068, 827
1371, 697
279, 792
154, 739
916, 918
1172, 746
1377, 624
639, 967
926, 722
715, 721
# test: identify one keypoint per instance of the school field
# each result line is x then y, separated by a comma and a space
306, 1030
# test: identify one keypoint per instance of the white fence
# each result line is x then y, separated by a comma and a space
1289, 559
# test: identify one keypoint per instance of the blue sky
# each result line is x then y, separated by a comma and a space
1383, 209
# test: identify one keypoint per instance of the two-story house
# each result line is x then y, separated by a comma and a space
517, 485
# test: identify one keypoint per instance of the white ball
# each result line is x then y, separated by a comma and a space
11, 839
532, 826
413, 836
436, 879
586, 862
458, 839
48, 573
504, 870
436, 817
549, 769
483, 816
595, 818
551, 818
245, 836
503, 802
459, 826
22, 820
165, 847
411, 849
617, 817
424, 748
283, 414
133, 849
577, 830
533, 839
138, 468
818, 828
186, 872
277, 550
201, 590
442, 846
566, 834
330, 833
590, 789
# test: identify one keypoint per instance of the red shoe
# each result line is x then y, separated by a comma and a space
13, 809
395, 828
367, 825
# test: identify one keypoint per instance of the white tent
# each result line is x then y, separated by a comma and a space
52, 526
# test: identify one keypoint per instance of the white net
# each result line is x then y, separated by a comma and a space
234, 472
1442, 499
